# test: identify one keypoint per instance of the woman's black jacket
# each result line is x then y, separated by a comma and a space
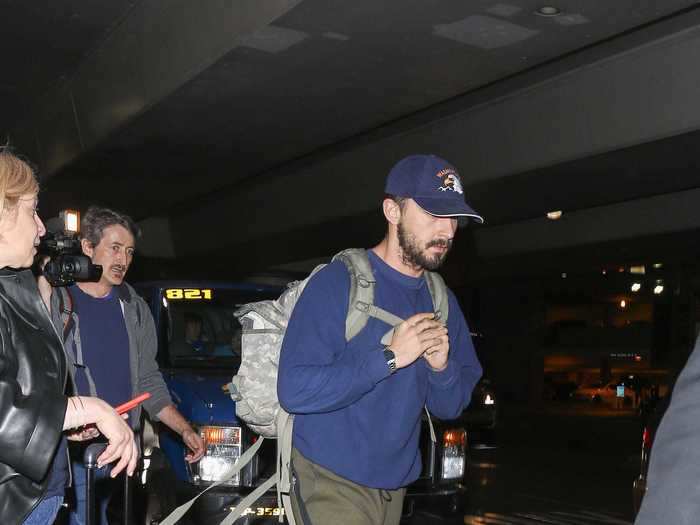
32, 400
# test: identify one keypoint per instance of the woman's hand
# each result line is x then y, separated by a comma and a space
84, 434
121, 446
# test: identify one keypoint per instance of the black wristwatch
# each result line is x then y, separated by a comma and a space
390, 360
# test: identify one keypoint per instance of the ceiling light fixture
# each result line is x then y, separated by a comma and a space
554, 215
547, 10
623, 304
636, 287
658, 289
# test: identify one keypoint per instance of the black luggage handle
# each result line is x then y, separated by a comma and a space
92, 452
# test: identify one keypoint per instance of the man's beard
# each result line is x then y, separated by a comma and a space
415, 257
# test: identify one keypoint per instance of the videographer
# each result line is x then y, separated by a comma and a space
34, 412
110, 341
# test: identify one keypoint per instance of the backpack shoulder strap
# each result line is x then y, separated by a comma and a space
361, 289
438, 291
65, 302
361, 302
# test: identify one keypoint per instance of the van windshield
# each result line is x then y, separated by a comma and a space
199, 328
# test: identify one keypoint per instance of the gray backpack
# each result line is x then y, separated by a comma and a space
254, 387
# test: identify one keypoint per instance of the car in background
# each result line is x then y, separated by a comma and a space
199, 350
603, 393
481, 416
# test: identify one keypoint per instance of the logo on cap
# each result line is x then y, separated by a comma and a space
450, 181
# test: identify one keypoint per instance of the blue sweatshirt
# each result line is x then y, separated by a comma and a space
352, 416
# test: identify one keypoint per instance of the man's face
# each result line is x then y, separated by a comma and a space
425, 240
114, 252
193, 329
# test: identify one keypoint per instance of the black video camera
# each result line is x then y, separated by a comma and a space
67, 263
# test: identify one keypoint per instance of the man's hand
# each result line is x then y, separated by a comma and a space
436, 356
195, 443
416, 336
171, 417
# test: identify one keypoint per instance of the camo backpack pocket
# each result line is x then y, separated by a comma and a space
254, 387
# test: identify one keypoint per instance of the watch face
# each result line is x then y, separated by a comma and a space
390, 360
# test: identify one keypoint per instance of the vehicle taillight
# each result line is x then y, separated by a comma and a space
221, 435
454, 437
646, 439
454, 444
223, 448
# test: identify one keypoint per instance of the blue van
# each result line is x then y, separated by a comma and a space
199, 350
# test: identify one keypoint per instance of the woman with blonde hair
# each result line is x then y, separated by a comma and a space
36, 417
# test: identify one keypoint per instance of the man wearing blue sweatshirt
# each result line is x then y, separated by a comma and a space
358, 404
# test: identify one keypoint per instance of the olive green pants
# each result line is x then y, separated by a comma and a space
328, 499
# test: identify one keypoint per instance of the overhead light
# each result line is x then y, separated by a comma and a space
636, 287
563, 275
554, 215
658, 265
605, 272
658, 289
638, 270
484, 32
336, 36
623, 304
548, 10
273, 39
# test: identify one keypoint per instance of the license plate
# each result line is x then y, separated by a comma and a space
261, 511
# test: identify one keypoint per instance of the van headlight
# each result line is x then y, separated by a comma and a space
223, 448
454, 445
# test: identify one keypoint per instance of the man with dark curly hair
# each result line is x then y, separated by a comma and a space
110, 341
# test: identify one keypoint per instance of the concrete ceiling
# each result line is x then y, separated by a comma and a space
44, 43
259, 132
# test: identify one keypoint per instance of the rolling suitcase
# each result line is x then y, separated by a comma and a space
92, 452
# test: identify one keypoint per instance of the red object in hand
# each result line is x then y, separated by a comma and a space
125, 407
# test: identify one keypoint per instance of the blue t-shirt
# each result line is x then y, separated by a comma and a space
58, 475
105, 346
352, 416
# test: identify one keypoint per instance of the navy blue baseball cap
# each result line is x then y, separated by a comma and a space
433, 184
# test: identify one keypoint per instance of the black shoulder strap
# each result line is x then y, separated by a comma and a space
66, 309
